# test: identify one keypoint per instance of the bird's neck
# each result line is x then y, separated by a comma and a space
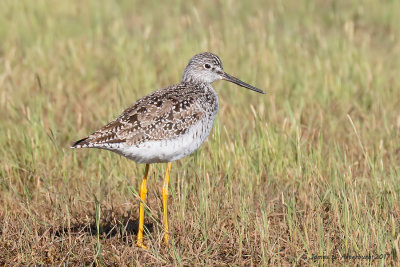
189, 79
195, 82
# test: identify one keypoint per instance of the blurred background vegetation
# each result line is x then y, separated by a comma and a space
311, 168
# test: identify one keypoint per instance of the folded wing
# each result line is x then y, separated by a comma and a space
162, 115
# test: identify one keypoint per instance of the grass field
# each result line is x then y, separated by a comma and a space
308, 174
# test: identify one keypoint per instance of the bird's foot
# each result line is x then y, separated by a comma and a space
140, 244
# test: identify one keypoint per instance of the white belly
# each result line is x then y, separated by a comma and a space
168, 150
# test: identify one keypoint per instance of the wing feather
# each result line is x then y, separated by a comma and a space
165, 114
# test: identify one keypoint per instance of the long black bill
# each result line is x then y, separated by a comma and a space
225, 76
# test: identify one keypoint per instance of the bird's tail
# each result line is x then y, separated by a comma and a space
81, 143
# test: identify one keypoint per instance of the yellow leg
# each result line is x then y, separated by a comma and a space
143, 192
165, 200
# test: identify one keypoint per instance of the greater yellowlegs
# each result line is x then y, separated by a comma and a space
167, 125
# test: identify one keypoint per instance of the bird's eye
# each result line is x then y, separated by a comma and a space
207, 66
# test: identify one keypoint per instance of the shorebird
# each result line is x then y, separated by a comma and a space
167, 125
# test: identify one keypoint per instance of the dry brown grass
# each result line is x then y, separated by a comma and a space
310, 169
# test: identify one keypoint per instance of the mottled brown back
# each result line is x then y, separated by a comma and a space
164, 114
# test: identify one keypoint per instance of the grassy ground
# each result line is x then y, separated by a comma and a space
310, 169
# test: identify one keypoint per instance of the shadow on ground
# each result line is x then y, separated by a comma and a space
108, 228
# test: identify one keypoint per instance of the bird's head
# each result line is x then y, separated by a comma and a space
207, 68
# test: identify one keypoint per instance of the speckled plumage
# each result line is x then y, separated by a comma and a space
167, 125
171, 122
